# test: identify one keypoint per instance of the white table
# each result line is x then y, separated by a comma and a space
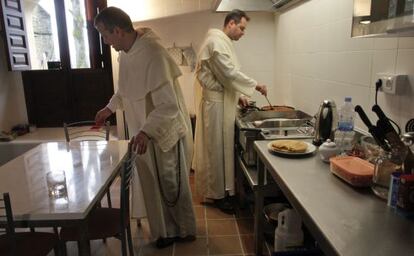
90, 167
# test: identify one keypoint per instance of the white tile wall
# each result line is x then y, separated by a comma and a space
315, 58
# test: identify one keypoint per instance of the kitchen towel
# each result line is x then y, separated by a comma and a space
177, 54
190, 57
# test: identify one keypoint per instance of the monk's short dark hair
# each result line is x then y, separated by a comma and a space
112, 17
235, 15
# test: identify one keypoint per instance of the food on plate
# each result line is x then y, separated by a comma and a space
291, 146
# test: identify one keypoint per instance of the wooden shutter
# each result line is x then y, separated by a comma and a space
12, 19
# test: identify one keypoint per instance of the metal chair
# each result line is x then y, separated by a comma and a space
110, 222
14, 243
88, 131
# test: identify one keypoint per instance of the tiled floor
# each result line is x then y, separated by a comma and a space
217, 234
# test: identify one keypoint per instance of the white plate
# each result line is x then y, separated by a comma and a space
311, 148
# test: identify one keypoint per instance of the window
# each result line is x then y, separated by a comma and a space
52, 34
42, 34
77, 33
67, 72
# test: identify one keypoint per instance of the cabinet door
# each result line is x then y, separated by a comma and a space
48, 100
12, 21
55, 97
91, 91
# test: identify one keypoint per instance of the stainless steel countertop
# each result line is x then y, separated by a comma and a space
343, 219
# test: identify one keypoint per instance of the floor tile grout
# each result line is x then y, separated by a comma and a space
240, 240
206, 223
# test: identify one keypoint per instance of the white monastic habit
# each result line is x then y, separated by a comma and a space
218, 74
151, 97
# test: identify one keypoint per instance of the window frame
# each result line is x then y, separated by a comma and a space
18, 58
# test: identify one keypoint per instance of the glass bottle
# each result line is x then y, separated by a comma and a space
385, 164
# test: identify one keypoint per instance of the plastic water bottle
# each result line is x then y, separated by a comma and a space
344, 135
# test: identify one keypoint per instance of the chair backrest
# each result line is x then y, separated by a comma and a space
6, 214
126, 177
86, 130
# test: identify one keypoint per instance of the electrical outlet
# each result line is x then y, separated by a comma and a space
392, 84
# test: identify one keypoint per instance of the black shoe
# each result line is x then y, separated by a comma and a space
163, 242
225, 205
186, 239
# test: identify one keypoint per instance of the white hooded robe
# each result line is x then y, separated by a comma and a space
219, 76
151, 97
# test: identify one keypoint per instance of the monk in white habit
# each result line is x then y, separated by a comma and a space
149, 93
222, 84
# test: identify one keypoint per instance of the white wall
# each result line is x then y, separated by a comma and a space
315, 58
12, 103
255, 49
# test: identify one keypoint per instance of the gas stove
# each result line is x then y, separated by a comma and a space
269, 125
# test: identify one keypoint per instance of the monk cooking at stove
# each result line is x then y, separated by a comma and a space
221, 81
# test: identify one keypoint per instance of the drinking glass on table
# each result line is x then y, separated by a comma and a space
56, 184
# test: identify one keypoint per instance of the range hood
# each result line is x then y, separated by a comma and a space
254, 5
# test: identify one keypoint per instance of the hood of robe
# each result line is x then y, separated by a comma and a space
212, 45
145, 67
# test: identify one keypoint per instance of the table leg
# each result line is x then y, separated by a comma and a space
258, 208
240, 193
84, 246
258, 222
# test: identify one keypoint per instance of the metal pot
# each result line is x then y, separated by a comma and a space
277, 108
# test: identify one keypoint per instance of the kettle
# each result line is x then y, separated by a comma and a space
326, 122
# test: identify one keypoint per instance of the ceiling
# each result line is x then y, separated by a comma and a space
140, 10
